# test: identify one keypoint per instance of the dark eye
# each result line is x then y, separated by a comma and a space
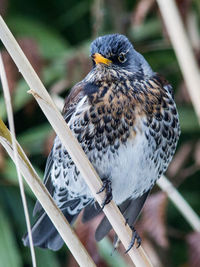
122, 57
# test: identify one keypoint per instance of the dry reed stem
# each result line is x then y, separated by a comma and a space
38, 90
46, 200
182, 205
183, 50
13, 137
173, 194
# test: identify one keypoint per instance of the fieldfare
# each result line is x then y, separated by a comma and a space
124, 117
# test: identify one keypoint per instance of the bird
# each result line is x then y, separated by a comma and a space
124, 116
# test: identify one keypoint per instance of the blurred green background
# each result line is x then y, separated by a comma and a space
55, 36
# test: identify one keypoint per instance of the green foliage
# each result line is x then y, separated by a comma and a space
9, 252
106, 251
51, 44
188, 120
63, 31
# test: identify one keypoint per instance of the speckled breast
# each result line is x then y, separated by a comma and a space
129, 130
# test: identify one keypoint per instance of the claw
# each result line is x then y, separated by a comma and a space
106, 186
103, 187
126, 221
135, 237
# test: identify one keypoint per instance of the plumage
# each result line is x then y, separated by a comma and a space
124, 116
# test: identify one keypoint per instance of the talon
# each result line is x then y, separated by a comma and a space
103, 187
106, 185
135, 237
126, 221
106, 200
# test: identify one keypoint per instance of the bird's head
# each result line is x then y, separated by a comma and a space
116, 51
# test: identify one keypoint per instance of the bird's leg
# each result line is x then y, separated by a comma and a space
108, 187
135, 237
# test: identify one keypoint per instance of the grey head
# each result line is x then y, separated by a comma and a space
120, 53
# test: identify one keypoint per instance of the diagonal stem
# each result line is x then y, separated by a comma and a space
13, 137
71, 144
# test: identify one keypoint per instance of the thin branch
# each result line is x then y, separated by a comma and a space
182, 205
167, 187
13, 136
46, 200
183, 50
190, 69
38, 90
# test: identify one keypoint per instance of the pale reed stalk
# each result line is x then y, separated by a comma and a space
191, 217
46, 200
90, 176
173, 194
13, 136
183, 50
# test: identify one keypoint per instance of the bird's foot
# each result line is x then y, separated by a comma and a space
106, 186
135, 237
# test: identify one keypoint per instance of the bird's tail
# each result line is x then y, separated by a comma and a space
45, 234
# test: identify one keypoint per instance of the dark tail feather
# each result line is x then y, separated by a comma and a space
45, 234
91, 211
130, 208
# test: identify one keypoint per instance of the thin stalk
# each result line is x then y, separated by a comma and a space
13, 136
183, 50
181, 204
173, 194
90, 176
48, 204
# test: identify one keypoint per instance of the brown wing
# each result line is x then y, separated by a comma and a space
164, 83
72, 99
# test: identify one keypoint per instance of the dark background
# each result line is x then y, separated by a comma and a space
55, 35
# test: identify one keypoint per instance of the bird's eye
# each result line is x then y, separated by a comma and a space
122, 57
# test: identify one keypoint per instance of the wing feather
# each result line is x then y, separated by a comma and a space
71, 101
130, 209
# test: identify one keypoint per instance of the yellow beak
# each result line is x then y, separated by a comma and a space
98, 58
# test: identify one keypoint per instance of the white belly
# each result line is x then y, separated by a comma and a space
130, 169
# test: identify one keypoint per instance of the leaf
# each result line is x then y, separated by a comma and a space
193, 242
31, 50
11, 200
9, 253
184, 6
113, 258
20, 99
153, 218
50, 43
48, 143
179, 159
188, 120
3, 7
183, 96
2, 158
102, 252
141, 10
85, 233
46, 258
12, 73
73, 14
197, 154
3, 113
33, 140
10, 175
149, 29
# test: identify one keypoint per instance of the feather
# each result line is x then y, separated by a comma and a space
47, 181
44, 232
130, 208
69, 107
91, 211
